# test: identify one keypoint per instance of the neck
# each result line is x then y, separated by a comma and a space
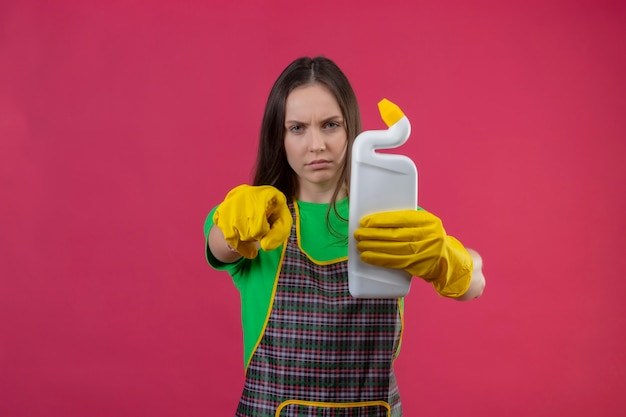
320, 195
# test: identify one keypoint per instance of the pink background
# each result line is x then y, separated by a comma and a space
122, 124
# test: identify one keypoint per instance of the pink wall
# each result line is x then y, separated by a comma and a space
122, 124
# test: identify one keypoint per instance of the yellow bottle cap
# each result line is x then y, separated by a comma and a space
389, 112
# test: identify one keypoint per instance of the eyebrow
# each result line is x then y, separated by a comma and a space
328, 119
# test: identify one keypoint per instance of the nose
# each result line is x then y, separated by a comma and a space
317, 142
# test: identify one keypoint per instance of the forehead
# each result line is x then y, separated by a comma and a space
311, 99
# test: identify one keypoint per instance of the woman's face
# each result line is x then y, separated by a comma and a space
315, 141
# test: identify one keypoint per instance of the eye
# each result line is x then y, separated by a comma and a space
331, 125
295, 128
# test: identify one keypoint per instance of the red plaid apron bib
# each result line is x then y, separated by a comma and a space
323, 353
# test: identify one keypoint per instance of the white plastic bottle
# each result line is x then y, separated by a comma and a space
380, 182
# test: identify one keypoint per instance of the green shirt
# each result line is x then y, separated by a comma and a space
255, 278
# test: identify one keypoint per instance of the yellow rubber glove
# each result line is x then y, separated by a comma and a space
415, 241
251, 214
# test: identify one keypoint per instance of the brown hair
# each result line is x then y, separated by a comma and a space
272, 167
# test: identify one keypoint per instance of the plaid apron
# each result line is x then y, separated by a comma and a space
323, 353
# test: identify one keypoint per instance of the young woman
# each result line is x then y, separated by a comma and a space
310, 348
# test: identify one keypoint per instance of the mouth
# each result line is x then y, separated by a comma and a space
318, 164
